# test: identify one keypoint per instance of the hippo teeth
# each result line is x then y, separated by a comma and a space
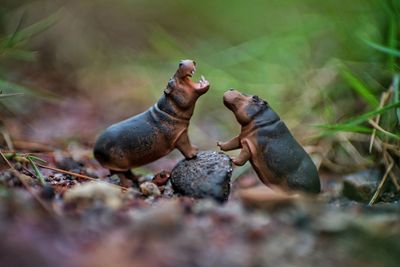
203, 80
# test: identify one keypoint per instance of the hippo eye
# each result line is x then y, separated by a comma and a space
181, 64
256, 98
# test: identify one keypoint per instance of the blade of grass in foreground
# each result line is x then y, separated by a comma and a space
28, 91
10, 95
392, 41
10, 39
360, 87
36, 169
20, 35
384, 49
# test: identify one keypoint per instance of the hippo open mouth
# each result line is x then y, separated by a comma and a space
187, 69
202, 84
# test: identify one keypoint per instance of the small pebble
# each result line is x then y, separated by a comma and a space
150, 189
161, 178
168, 190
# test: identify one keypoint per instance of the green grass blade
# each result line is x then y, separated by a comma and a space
28, 91
30, 31
353, 129
344, 128
37, 159
10, 95
353, 125
19, 54
384, 49
10, 40
396, 96
36, 169
360, 88
392, 42
366, 116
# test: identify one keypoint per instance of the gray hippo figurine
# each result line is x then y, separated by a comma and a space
154, 133
278, 159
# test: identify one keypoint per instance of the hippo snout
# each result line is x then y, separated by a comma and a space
230, 96
187, 67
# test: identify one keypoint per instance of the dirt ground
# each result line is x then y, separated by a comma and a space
102, 224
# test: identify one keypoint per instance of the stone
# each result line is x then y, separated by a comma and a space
207, 175
361, 186
83, 196
161, 178
150, 189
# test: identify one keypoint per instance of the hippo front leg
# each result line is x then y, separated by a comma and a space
243, 156
232, 144
185, 147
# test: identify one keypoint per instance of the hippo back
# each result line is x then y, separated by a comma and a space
283, 157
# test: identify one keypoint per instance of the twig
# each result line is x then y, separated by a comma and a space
384, 99
395, 149
351, 150
377, 127
7, 139
388, 159
340, 168
6, 160
380, 186
394, 180
76, 175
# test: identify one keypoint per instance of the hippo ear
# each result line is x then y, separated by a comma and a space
170, 87
167, 90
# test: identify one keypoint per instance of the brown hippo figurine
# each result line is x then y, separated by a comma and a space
275, 155
154, 133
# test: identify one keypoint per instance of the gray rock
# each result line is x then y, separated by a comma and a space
207, 175
361, 186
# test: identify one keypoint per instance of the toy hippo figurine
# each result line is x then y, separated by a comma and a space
156, 132
265, 140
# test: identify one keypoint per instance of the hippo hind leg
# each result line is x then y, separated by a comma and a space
305, 179
127, 178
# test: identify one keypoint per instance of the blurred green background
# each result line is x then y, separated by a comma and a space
86, 64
